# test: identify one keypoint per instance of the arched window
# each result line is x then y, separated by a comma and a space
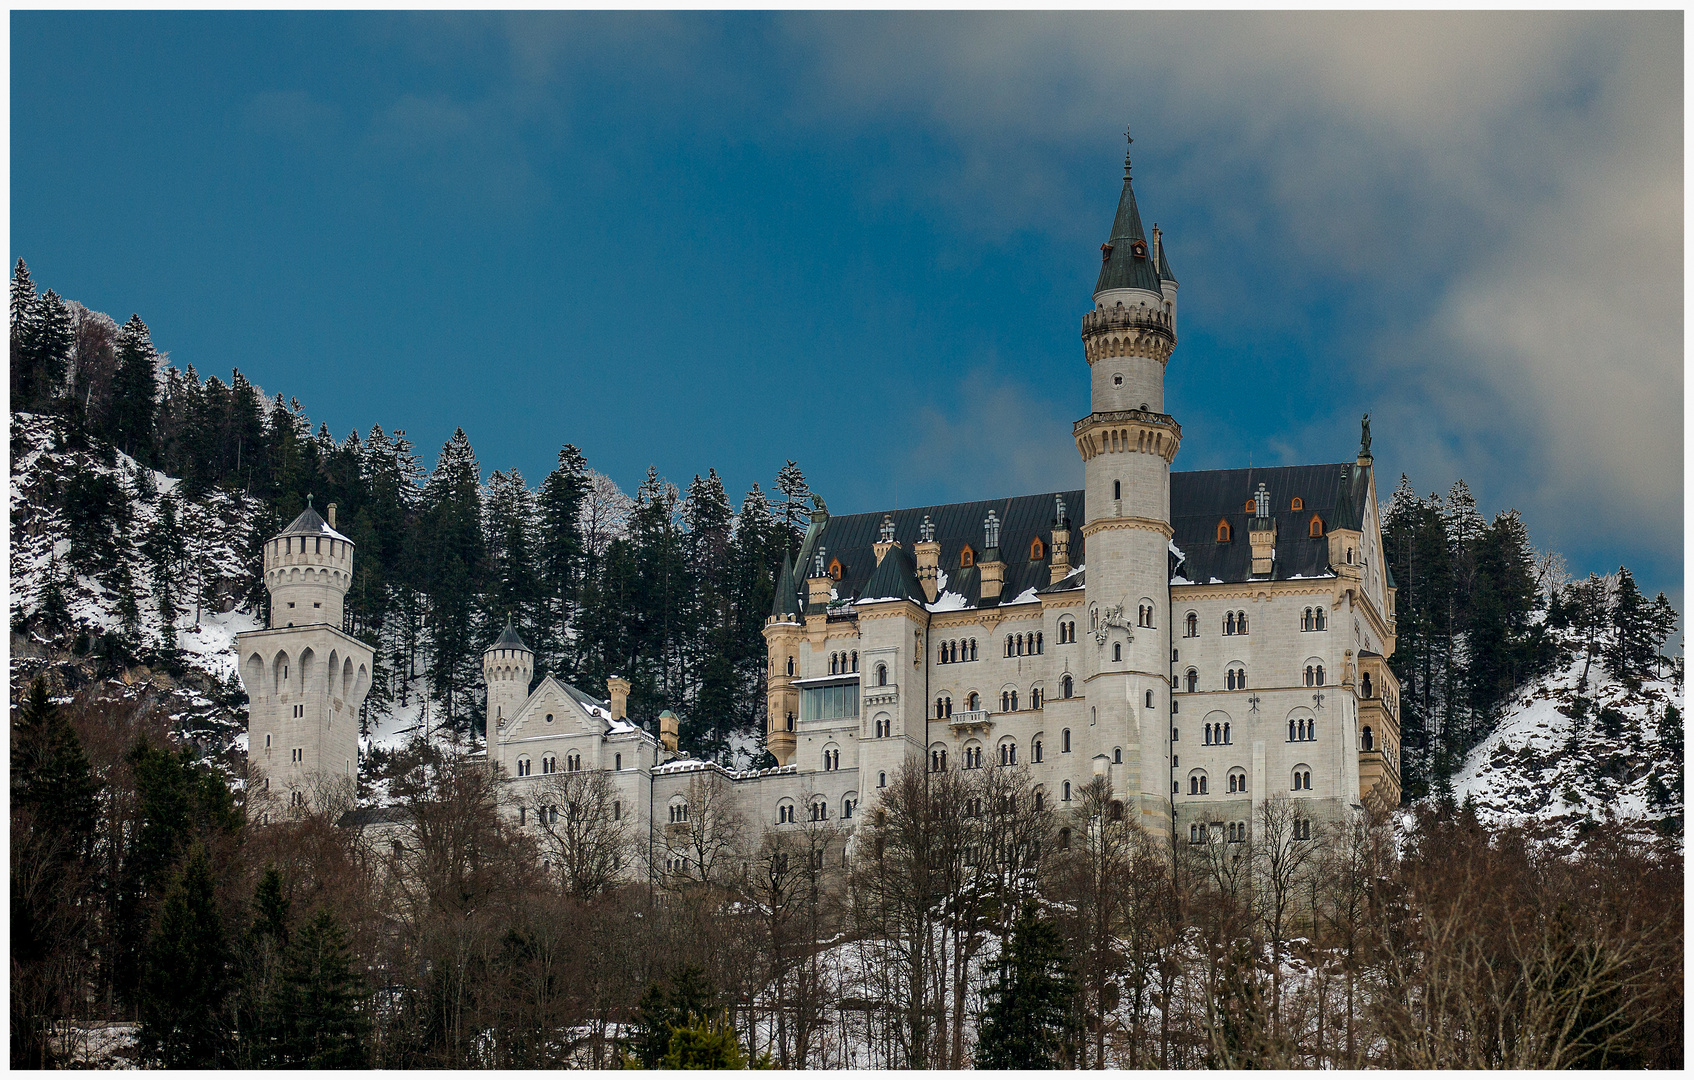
523, 766
938, 759
1116, 810
967, 557
1067, 793
832, 664
1223, 531
1365, 742
1250, 507
1229, 623
1149, 699
881, 779
1040, 800
1315, 528
1319, 675
1066, 687
1117, 756
1117, 650
1309, 676
1193, 680
1035, 749
973, 703
790, 721
1009, 645
550, 764
943, 707
1226, 733
1193, 625
1036, 549
1297, 504
835, 569
1065, 748
785, 814
855, 661
1117, 489
617, 763
1364, 684
1005, 701
1318, 618
1229, 679
1240, 622
882, 674
847, 807
1039, 645
1065, 834
1035, 697
791, 665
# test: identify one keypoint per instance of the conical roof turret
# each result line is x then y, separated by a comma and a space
310, 523
786, 603
1125, 258
508, 639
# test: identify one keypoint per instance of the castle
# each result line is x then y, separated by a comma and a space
1202, 640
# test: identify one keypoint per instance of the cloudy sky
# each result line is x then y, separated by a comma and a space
865, 241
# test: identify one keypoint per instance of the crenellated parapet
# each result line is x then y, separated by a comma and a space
1127, 431
1140, 331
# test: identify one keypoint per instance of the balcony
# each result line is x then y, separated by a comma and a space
974, 720
879, 695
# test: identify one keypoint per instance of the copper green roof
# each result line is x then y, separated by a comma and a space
1164, 264
786, 603
895, 578
1121, 267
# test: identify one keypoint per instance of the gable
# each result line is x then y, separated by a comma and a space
566, 704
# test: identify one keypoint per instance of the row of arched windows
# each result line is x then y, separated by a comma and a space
831, 760
1234, 622
1314, 527
1024, 644
1236, 781
843, 663
1235, 832
1314, 675
1300, 730
955, 652
1144, 615
1313, 619
1235, 678
1217, 734
1067, 631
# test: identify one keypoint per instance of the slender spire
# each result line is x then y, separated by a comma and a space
787, 599
1125, 261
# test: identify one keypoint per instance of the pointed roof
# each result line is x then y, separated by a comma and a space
1121, 268
787, 600
1164, 262
895, 578
310, 523
508, 639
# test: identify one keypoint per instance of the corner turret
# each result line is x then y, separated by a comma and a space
507, 666
308, 569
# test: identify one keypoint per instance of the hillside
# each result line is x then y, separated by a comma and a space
1558, 766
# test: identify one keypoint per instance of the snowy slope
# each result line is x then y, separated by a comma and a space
1544, 769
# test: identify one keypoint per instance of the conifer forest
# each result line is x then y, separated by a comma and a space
155, 922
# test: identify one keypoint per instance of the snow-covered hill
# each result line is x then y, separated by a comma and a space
1558, 766
79, 615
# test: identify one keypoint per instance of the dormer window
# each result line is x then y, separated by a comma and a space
967, 557
1316, 527
1138, 249
1105, 253
1223, 531
1297, 504
1250, 506
1037, 550
835, 569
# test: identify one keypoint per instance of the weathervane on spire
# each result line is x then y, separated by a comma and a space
1130, 140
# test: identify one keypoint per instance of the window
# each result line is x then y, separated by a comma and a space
1302, 778
1008, 753
831, 759
521, 812
1117, 650
1223, 531
1115, 812
1067, 794
1315, 529
1066, 687
1117, 489
973, 757
617, 762
1229, 623
790, 665
298, 756
785, 814
1237, 782
1297, 504
1065, 745
617, 811
1035, 748
882, 725
938, 759
847, 808
1149, 699
1039, 648
1240, 622
974, 701
1040, 800
1117, 756
882, 674
855, 661
1364, 684
1193, 625
1037, 550
881, 779
1175, 735
829, 702
523, 766
1365, 742
1035, 696
1235, 679
835, 569
820, 811
679, 813
1193, 680
1117, 379
1067, 631
267, 742
1303, 829
1065, 834
943, 707
790, 721
548, 764
967, 557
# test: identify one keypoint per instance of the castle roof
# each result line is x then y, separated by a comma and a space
786, 602
1199, 500
508, 639
310, 523
1121, 267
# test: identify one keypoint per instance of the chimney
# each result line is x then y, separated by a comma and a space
928, 554
992, 566
885, 538
1061, 566
818, 584
1261, 533
667, 730
617, 687
331, 509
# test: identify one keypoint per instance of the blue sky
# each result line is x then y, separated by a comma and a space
865, 241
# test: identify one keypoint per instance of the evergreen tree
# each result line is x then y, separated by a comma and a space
129, 422
706, 1044
794, 507
1638, 628
1670, 739
1027, 1018
688, 999
23, 329
185, 977
512, 578
322, 1025
560, 557
1505, 647
260, 1018
452, 549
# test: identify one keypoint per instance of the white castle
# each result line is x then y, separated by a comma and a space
1203, 641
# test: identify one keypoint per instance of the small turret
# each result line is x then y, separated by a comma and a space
668, 730
507, 666
308, 570
617, 696
1061, 565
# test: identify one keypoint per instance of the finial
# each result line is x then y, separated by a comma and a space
1059, 511
991, 529
308, 500
1261, 501
1130, 140
1364, 437
888, 528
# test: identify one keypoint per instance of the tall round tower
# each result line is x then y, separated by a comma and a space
1127, 442
308, 570
507, 667
783, 631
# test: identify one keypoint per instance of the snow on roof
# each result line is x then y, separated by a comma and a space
948, 601
1025, 597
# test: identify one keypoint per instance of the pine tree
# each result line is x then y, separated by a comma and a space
129, 422
322, 1025
1670, 739
185, 977
511, 542
1027, 1018
794, 506
260, 1019
1638, 628
453, 549
560, 556
688, 999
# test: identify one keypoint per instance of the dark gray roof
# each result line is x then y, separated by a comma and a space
896, 576
1199, 500
1164, 263
308, 522
508, 639
374, 815
786, 602
1121, 268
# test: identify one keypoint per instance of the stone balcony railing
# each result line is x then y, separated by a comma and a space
879, 695
975, 718
1124, 318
